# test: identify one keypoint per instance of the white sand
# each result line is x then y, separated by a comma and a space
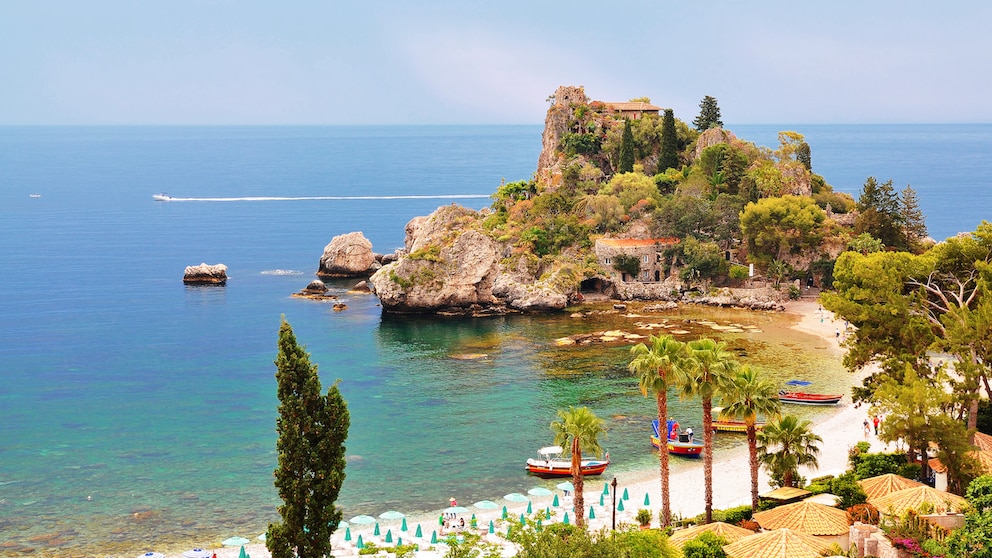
731, 477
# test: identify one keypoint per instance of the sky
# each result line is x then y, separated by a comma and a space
226, 62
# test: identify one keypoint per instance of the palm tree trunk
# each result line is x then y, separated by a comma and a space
752, 450
708, 456
666, 508
580, 502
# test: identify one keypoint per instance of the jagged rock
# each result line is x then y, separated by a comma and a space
361, 287
711, 137
348, 255
556, 124
205, 274
315, 287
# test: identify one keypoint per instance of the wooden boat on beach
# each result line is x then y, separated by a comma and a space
679, 443
551, 463
806, 398
727, 425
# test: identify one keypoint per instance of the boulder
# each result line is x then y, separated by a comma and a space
348, 255
205, 274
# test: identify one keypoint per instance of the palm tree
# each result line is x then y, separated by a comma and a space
655, 366
708, 367
744, 397
579, 428
787, 444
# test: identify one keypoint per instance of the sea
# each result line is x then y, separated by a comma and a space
138, 414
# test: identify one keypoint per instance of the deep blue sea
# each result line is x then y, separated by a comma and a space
137, 411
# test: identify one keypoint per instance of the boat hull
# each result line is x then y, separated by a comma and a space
803, 398
688, 449
562, 468
734, 426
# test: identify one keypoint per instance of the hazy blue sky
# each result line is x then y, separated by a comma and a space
463, 61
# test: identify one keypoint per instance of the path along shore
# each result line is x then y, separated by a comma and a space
840, 431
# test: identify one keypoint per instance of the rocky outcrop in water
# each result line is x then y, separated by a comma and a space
205, 274
348, 255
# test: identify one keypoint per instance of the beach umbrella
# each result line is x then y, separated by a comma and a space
376, 530
606, 488
243, 554
197, 553
492, 528
486, 505
647, 501
539, 491
403, 526
565, 520
261, 537
516, 497
342, 524
399, 541
419, 534
456, 509
625, 495
566, 486
522, 520
151, 555
620, 505
235, 541
363, 519
592, 512
547, 514
347, 533
505, 515
539, 525
530, 509
391, 515
359, 543
601, 500
433, 537
555, 502
389, 535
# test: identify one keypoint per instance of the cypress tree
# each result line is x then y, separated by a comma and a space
669, 157
804, 156
626, 158
312, 429
709, 115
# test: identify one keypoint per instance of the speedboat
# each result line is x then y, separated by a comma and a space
161, 197
806, 398
551, 463
679, 443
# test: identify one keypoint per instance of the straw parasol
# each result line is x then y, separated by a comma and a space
805, 517
882, 485
901, 501
780, 543
730, 532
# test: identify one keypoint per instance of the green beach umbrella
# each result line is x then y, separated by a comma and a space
647, 500
555, 501
529, 508
620, 505
601, 500
359, 544
376, 530
625, 495
419, 534
505, 515
566, 521
399, 541
547, 513
242, 553
539, 526
492, 528
433, 537
389, 535
347, 534
592, 512
403, 527
522, 520
606, 488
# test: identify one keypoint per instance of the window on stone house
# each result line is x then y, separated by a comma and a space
606, 261
645, 258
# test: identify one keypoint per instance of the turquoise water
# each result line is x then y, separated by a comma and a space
140, 413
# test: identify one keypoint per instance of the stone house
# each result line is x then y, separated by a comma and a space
634, 109
648, 251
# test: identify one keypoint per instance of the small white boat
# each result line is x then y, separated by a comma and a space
552, 463
34, 195
161, 197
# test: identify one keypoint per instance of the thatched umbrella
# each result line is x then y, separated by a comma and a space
730, 532
780, 543
882, 485
806, 517
901, 501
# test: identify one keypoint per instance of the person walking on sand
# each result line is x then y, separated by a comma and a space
876, 421
867, 430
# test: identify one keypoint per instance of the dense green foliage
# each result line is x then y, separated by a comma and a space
706, 545
709, 115
312, 429
560, 541
669, 157
785, 445
626, 156
580, 429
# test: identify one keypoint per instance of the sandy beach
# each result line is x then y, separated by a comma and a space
840, 430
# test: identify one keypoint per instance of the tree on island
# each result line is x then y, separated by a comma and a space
669, 156
312, 429
656, 366
626, 157
709, 115
578, 428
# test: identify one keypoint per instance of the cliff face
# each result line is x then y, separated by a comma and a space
452, 268
549, 164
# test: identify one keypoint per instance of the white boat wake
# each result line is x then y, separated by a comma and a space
164, 197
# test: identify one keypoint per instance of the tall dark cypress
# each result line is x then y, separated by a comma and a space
312, 430
669, 157
626, 158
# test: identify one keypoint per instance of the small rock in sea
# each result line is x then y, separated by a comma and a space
339, 306
619, 306
205, 274
315, 287
362, 287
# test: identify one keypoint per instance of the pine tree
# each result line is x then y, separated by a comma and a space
913, 221
804, 156
709, 115
879, 214
669, 157
626, 158
312, 429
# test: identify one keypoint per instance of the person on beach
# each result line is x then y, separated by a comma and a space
867, 430
688, 432
876, 421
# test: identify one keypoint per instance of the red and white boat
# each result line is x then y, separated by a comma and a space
804, 397
551, 463
679, 443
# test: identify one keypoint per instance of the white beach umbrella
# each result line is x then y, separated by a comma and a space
151, 555
197, 553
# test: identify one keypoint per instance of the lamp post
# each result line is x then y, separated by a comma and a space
614, 485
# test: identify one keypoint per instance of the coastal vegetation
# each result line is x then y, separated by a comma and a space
312, 428
579, 429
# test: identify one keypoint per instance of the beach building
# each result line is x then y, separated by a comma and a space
648, 252
633, 109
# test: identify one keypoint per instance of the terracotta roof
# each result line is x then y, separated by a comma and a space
786, 493
882, 485
805, 517
900, 501
983, 441
983, 457
631, 105
780, 543
730, 532
637, 242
